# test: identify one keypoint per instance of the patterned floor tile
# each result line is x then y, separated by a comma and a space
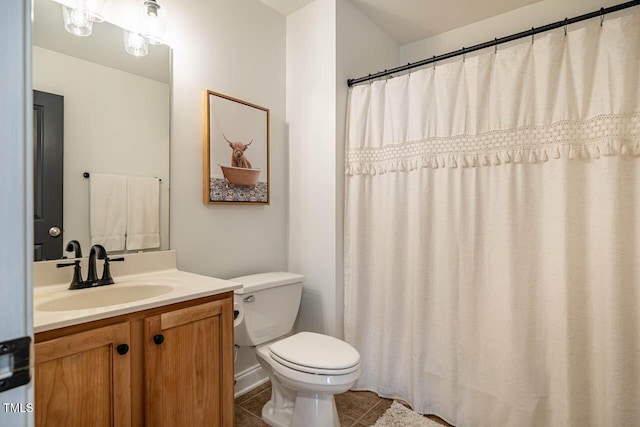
355, 408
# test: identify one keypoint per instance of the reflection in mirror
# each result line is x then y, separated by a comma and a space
99, 110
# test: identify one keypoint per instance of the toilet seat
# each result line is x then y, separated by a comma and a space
312, 380
316, 354
310, 370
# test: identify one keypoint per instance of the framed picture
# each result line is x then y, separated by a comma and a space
236, 151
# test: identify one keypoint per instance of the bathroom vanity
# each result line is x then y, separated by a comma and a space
156, 357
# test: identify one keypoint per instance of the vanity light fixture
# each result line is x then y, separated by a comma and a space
135, 43
76, 21
80, 16
154, 21
79, 19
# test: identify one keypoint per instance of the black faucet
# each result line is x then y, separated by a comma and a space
92, 276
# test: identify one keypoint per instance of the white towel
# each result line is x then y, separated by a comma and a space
108, 210
143, 212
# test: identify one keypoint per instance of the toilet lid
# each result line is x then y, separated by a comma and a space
316, 353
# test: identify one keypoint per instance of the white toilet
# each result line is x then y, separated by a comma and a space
306, 369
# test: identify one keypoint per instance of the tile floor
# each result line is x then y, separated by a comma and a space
355, 408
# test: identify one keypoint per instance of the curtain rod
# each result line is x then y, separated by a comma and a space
495, 42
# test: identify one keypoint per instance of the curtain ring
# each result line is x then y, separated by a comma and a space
601, 16
464, 54
495, 51
566, 20
434, 62
533, 34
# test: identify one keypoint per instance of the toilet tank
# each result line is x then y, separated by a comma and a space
270, 303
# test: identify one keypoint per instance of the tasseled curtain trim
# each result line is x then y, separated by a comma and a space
603, 136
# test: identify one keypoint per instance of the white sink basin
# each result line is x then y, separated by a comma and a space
103, 297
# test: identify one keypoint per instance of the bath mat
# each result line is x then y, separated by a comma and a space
399, 416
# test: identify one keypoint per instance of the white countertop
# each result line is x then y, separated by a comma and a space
184, 286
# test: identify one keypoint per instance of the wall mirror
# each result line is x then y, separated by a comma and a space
114, 119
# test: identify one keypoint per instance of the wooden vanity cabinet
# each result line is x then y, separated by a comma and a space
82, 380
177, 370
187, 366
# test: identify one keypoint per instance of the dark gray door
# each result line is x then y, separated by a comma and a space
48, 146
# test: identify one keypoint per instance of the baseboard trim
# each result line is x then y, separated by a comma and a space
249, 379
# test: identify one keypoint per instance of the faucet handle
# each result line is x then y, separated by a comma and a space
76, 282
65, 264
106, 278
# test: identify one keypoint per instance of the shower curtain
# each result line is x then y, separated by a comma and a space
492, 233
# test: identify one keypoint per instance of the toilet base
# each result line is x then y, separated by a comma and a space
315, 409
311, 409
280, 418
300, 399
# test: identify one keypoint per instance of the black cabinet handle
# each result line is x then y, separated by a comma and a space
122, 349
158, 339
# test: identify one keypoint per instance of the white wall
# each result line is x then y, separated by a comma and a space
96, 98
327, 42
311, 117
236, 48
534, 15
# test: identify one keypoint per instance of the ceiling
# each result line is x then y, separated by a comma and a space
407, 21
286, 7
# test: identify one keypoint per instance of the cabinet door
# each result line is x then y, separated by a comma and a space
189, 366
82, 380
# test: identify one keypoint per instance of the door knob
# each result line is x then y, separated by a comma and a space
122, 349
158, 339
54, 232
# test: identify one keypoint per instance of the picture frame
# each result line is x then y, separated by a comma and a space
235, 151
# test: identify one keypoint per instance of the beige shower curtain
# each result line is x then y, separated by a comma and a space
492, 233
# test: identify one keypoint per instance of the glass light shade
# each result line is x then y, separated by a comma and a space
77, 22
135, 43
154, 21
95, 8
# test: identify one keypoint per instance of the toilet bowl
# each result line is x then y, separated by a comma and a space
303, 384
306, 369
